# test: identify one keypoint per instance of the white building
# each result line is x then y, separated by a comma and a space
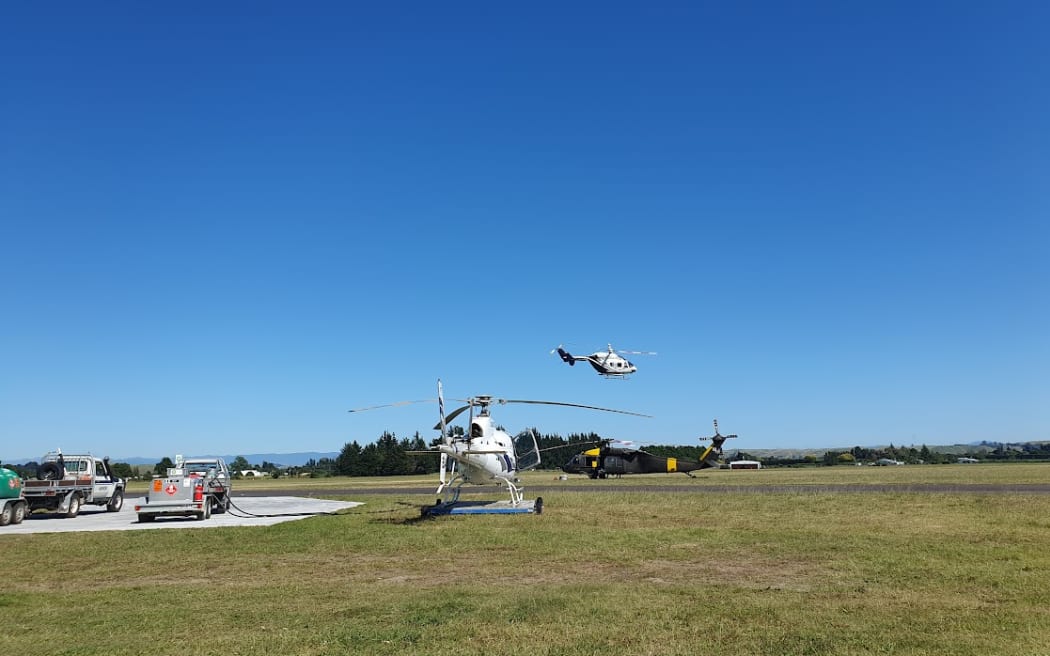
745, 464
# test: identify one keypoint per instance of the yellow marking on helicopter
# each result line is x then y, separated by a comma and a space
672, 465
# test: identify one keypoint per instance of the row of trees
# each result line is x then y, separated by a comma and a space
390, 456
28, 470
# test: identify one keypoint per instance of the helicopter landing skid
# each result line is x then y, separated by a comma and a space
449, 503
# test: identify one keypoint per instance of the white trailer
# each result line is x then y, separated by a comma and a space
194, 487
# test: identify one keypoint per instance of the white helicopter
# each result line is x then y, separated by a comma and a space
609, 363
487, 454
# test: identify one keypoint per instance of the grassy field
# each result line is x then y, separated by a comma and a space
629, 571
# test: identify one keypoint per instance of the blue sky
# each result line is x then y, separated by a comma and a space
221, 227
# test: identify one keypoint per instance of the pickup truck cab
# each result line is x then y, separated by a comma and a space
65, 483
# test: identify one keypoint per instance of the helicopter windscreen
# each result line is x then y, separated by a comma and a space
526, 451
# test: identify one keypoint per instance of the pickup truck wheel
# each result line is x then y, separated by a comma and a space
74, 506
6, 514
221, 504
19, 513
116, 502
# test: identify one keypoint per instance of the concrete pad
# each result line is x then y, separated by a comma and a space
247, 511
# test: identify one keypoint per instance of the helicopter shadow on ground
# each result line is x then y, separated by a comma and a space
388, 516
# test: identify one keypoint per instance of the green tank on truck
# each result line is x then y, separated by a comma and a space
13, 505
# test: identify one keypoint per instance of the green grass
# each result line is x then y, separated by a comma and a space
610, 571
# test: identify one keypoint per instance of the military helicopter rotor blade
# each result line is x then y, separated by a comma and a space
571, 405
577, 445
391, 405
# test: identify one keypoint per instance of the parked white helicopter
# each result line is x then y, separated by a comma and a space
609, 363
487, 455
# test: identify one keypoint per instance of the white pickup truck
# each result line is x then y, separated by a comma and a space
65, 482
193, 487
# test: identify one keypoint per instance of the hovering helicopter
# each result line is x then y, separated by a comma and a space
487, 455
607, 459
609, 363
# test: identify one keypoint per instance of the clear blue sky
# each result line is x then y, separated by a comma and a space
224, 225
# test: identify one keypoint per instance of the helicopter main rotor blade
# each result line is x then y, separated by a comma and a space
391, 405
452, 415
636, 352
573, 444
571, 405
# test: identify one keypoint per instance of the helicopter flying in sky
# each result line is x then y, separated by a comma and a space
611, 459
487, 454
609, 363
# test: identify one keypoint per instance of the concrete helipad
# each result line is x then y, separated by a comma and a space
248, 511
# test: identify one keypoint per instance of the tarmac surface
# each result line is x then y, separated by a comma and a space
247, 511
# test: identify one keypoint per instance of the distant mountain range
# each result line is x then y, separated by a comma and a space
280, 459
950, 449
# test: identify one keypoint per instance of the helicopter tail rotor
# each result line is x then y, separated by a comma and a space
565, 355
441, 423
715, 450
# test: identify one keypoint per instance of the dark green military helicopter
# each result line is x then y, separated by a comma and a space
609, 460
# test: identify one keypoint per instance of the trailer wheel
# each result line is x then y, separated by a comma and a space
74, 505
145, 518
6, 514
49, 471
116, 502
19, 513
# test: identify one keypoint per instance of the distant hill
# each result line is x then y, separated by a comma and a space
787, 454
280, 459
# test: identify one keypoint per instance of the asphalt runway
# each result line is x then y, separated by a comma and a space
253, 511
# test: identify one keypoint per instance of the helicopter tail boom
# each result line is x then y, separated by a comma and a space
566, 356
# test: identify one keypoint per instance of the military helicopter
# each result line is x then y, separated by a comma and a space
609, 363
487, 455
613, 459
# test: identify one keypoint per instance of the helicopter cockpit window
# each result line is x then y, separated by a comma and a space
526, 451
475, 430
